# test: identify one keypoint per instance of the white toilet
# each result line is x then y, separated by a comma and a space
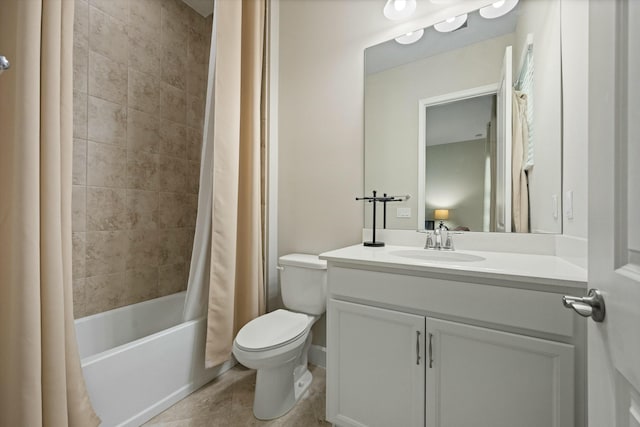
276, 344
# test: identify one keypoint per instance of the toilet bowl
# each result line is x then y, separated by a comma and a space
276, 344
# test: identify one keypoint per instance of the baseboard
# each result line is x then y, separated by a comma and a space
318, 355
164, 404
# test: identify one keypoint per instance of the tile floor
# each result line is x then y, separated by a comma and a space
228, 400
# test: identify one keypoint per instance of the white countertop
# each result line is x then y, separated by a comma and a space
540, 269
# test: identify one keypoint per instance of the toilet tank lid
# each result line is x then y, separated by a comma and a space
303, 260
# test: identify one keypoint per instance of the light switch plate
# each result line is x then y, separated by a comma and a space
568, 204
403, 212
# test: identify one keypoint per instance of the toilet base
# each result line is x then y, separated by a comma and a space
279, 388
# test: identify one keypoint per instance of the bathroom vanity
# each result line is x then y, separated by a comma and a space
464, 338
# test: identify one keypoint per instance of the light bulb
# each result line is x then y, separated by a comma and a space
451, 24
399, 5
498, 4
450, 20
498, 9
410, 37
399, 9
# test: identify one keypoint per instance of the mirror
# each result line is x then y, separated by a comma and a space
468, 122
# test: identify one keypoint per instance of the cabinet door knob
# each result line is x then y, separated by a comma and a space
590, 306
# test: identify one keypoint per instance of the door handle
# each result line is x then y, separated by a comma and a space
590, 306
417, 347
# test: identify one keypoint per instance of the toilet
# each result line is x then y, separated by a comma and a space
276, 344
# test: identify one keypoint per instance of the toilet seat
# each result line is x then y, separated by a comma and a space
273, 330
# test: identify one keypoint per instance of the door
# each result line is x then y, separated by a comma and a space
503, 162
485, 378
614, 211
375, 366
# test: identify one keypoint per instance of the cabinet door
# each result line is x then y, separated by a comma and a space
375, 366
485, 378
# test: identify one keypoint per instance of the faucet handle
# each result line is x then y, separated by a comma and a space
448, 244
429, 243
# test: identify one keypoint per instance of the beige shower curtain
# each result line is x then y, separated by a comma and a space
520, 186
41, 379
236, 289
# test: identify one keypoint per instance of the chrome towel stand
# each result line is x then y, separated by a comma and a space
4, 64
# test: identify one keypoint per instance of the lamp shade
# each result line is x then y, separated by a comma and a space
441, 214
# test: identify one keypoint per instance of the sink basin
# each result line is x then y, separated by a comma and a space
431, 255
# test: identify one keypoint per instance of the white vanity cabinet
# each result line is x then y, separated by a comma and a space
378, 371
414, 348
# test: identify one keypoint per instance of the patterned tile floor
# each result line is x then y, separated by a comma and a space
228, 400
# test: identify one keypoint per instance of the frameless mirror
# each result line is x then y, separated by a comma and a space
469, 123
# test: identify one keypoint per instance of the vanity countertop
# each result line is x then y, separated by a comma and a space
539, 269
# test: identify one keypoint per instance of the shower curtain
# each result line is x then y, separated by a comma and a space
41, 378
227, 268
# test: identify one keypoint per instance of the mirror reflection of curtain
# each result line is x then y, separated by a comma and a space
492, 138
520, 191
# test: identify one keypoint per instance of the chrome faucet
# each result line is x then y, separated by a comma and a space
439, 240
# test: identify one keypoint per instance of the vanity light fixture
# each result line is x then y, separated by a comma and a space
411, 37
497, 9
451, 24
399, 9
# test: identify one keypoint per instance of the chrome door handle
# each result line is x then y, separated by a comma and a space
590, 306
417, 347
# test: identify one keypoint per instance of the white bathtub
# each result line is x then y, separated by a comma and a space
140, 359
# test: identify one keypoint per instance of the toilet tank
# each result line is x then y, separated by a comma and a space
303, 283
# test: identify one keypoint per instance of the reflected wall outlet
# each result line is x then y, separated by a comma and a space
403, 212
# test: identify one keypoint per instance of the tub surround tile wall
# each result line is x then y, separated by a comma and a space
139, 70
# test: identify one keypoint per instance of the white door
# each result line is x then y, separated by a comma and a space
614, 211
485, 378
504, 135
375, 366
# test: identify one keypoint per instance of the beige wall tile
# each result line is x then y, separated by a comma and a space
118, 9
194, 144
141, 284
144, 52
174, 68
107, 121
171, 279
106, 209
143, 249
81, 24
107, 35
79, 298
105, 292
197, 52
195, 111
107, 79
173, 139
193, 176
174, 27
106, 165
197, 80
173, 245
172, 174
145, 16
142, 209
79, 161
173, 104
79, 115
144, 92
143, 131
80, 68
78, 244
79, 208
106, 252
173, 210
142, 171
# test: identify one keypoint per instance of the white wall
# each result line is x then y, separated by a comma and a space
540, 19
575, 51
391, 115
